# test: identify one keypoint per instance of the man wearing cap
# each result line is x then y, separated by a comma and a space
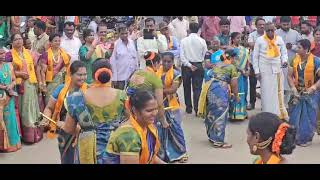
172, 42
192, 52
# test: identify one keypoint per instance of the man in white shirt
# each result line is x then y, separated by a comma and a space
124, 59
290, 38
70, 43
192, 52
180, 27
260, 22
269, 55
157, 43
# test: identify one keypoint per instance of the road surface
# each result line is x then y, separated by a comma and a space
199, 149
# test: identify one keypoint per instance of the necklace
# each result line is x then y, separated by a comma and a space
21, 55
56, 61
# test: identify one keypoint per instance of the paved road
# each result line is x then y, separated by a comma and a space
199, 149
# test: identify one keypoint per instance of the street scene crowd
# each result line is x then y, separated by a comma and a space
106, 87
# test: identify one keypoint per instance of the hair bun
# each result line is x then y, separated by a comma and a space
149, 55
288, 142
103, 75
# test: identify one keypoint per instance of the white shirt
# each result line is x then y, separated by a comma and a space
71, 46
180, 28
260, 54
192, 49
292, 36
253, 37
124, 60
155, 45
93, 26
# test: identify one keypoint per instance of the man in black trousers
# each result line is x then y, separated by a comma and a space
192, 52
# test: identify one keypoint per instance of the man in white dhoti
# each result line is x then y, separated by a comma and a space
269, 55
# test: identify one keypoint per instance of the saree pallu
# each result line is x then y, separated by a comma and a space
217, 111
103, 132
173, 145
303, 116
92, 144
29, 113
68, 153
238, 111
57, 80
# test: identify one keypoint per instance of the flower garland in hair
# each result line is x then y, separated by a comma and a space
282, 129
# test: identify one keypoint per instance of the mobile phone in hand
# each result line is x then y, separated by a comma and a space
148, 34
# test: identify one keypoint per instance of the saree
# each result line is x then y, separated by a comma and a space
238, 111
9, 130
304, 110
214, 101
68, 153
88, 63
303, 116
173, 145
97, 124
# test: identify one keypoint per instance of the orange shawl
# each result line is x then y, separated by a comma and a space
308, 71
172, 99
17, 61
273, 50
274, 159
144, 155
58, 106
66, 61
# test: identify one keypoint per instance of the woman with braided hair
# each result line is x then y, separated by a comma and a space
269, 138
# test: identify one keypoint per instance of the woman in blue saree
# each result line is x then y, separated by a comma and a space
57, 110
214, 99
304, 105
99, 111
173, 145
238, 110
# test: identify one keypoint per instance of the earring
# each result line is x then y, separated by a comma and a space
254, 148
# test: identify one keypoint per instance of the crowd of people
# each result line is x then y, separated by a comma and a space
110, 95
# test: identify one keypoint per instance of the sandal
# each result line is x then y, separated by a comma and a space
184, 159
305, 144
222, 145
